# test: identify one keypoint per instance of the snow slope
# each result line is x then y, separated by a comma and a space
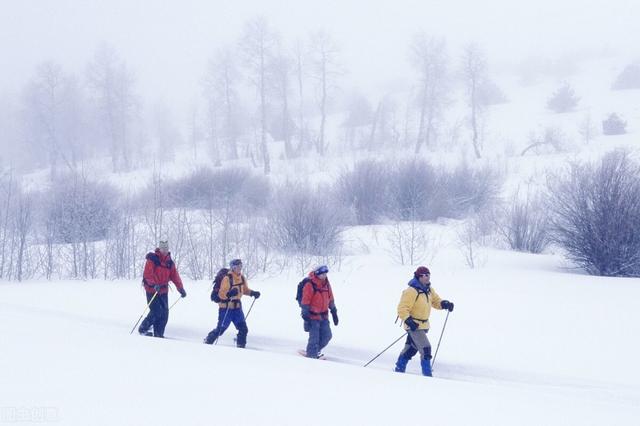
529, 343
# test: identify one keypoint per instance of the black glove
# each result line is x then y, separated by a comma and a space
306, 314
413, 326
334, 315
447, 305
182, 291
255, 294
232, 292
156, 288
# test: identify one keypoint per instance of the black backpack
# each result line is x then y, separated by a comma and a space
301, 285
216, 284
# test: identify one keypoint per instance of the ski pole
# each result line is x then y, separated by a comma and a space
145, 310
439, 340
174, 303
221, 325
385, 349
249, 311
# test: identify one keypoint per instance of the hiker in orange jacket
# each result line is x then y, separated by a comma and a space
317, 301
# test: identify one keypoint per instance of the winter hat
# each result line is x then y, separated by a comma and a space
163, 245
322, 269
422, 270
235, 262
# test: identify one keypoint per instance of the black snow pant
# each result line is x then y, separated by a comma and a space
158, 315
319, 337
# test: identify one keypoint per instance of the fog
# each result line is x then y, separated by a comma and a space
168, 43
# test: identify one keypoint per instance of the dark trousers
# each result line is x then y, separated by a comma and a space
225, 318
319, 337
158, 315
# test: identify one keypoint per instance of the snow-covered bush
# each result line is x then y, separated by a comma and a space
614, 125
629, 78
563, 100
596, 215
464, 190
525, 225
413, 190
81, 210
364, 190
305, 221
206, 187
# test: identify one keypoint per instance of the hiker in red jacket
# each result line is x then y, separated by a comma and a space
158, 271
317, 301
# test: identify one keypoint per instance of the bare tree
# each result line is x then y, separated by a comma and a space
410, 243
281, 67
429, 58
220, 84
113, 91
300, 65
587, 128
53, 117
325, 69
257, 44
474, 70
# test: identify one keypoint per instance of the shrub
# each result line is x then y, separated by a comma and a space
363, 189
206, 187
413, 191
79, 210
526, 225
614, 125
303, 222
465, 190
563, 100
596, 216
629, 78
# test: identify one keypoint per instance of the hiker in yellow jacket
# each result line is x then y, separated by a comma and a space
232, 287
414, 310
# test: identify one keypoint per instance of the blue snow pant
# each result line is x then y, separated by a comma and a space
225, 318
158, 315
319, 337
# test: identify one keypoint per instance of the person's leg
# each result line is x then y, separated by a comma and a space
421, 343
325, 334
148, 321
313, 344
162, 316
241, 325
406, 354
223, 323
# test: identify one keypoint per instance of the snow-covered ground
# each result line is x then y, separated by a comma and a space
529, 343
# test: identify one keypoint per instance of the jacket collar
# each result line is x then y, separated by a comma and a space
415, 283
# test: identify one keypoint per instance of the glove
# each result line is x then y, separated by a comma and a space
306, 314
413, 326
156, 288
447, 305
232, 292
255, 294
307, 326
334, 315
183, 293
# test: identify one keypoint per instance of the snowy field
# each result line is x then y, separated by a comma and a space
529, 343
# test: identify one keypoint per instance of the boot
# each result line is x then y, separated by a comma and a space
426, 367
211, 337
401, 364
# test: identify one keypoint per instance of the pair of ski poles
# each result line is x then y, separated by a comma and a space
148, 306
406, 332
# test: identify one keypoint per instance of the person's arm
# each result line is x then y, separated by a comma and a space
406, 303
245, 288
149, 274
225, 285
436, 300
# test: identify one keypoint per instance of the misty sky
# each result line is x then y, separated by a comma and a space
167, 43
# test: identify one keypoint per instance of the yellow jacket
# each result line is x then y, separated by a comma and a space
418, 305
239, 282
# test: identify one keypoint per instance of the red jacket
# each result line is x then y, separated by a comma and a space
318, 296
160, 270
